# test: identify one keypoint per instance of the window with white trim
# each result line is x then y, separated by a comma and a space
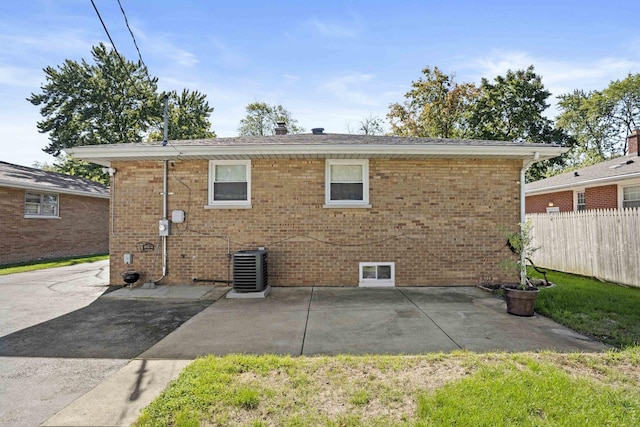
377, 274
581, 203
347, 183
40, 205
631, 196
230, 183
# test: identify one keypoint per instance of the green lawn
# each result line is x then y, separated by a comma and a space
465, 389
460, 388
604, 311
61, 262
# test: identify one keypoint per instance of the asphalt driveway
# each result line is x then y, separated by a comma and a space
58, 339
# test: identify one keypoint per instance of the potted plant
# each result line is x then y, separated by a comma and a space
520, 297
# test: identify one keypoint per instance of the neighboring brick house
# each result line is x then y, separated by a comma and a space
613, 184
331, 210
48, 215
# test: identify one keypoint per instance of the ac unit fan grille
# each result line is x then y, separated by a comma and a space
250, 271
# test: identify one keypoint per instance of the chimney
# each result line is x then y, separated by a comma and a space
317, 131
632, 143
281, 129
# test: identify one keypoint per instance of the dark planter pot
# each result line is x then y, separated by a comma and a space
520, 302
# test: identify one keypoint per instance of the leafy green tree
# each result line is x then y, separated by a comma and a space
511, 109
587, 117
623, 96
600, 121
262, 119
70, 166
370, 125
188, 117
434, 107
110, 101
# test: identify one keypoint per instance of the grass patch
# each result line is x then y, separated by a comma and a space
605, 311
51, 263
461, 388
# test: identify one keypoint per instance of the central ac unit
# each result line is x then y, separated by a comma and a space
250, 271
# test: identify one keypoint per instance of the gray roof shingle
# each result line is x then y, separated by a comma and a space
615, 169
324, 145
17, 176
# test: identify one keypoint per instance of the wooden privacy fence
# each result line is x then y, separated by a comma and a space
599, 243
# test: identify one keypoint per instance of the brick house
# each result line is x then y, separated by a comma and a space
48, 215
613, 184
330, 209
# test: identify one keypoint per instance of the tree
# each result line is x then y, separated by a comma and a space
70, 166
262, 119
600, 121
623, 97
111, 101
511, 109
370, 125
188, 117
435, 107
587, 117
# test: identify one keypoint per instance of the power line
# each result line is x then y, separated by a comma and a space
120, 57
135, 43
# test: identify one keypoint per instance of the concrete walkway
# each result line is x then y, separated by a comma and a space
315, 321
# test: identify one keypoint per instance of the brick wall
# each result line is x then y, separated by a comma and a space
540, 202
602, 197
440, 221
81, 230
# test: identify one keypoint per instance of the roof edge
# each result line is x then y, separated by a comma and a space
102, 154
46, 189
559, 187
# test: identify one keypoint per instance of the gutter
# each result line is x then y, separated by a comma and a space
102, 154
526, 165
561, 187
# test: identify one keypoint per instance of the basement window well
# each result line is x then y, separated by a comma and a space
373, 274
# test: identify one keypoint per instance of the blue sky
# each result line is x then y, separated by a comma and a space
330, 63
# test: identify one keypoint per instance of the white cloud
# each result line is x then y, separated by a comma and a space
58, 40
20, 133
333, 30
353, 88
160, 45
558, 76
19, 76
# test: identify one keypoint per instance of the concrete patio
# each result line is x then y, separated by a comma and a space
328, 321
313, 321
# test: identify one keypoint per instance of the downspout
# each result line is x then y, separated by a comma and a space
165, 201
526, 165
165, 175
165, 195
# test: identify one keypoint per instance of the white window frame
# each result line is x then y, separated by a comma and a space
40, 215
228, 204
621, 193
575, 198
377, 282
364, 203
